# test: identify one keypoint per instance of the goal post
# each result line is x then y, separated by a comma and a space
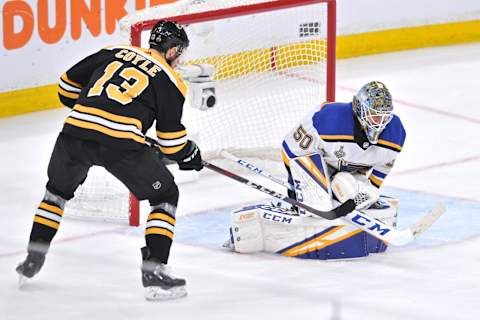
273, 60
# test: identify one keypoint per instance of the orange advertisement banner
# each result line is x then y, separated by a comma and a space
55, 20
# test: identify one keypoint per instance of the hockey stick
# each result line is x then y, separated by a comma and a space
336, 213
255, 169
372, 226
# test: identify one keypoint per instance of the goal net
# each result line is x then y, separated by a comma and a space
274, 61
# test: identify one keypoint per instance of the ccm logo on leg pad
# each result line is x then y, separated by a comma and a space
372, 225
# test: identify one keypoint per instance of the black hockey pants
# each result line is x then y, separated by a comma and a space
142, 171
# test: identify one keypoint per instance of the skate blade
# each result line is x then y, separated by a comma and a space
21, 281
159, 294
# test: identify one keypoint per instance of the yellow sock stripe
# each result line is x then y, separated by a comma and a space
172, 150
161, 216
109, 116
102, 129
67, 94
51, 208
160, 231
46, 222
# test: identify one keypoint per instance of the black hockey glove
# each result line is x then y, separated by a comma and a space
193, 159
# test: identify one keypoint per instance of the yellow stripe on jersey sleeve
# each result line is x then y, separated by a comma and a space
376, 181
65, 78
71, 95
172, 150
390, 144
171, 135
336, 137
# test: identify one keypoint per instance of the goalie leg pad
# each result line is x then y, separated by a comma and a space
384, 209
311, 181
246, 231
272, 229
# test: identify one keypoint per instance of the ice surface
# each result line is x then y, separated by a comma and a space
92, 270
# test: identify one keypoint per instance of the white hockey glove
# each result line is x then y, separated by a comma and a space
202, 87
354, 186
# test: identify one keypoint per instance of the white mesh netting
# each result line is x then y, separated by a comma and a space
101, 197
270, 70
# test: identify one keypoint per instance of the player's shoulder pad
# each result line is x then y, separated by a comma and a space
393, 136
160, 61
334, 118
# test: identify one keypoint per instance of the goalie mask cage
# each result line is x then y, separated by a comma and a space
274, 61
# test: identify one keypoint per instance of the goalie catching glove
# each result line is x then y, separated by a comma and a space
354, 186
192, 159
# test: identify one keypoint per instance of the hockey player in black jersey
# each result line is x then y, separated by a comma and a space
116, 95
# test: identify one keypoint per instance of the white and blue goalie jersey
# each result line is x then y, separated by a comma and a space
333, 131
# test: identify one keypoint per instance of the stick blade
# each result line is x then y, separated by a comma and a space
345, 208
427, 220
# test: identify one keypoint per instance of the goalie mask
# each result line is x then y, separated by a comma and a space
166, 35
374, 109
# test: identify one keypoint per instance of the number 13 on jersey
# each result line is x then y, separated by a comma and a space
127, 91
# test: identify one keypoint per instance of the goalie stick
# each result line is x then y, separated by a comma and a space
336, 213
370, 225
340, 211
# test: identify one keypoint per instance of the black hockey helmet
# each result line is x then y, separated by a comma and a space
168, 34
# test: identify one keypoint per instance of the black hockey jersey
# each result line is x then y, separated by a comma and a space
118, 92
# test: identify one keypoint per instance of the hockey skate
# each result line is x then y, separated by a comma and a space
158, 281
32, 264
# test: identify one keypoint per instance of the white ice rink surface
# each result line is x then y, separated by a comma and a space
92, 269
